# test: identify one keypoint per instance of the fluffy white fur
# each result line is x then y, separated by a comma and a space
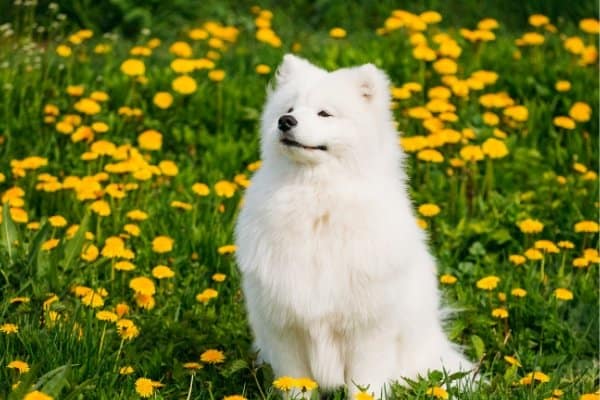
339, 283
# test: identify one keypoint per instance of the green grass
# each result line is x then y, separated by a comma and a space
212, 136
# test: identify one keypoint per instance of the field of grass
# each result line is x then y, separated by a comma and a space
123, 165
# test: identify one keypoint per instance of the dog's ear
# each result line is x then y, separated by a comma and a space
373, 83
293, 67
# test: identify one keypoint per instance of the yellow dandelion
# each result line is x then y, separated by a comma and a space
429, 210
590, 396
37, 395
530, 226
488, 283
546, 245
192, 365
19, 299
207, 295
162, 100
494, 148
534, 254
337, 33
50, 244
590, 25
92, 299
225, 188
19, 365
212, 356
9, 328
227, 249
517, 259
500, 312
133, 67
437, 392
471, 153
363, 396
234, 397
107, 316
534, 376
263, 69
580, 112
126, 370
216, 75
184, 85
145, 301
563, 294
587, 227
162, 272
445, 66
90, 253
121, 309
448, 279
564, 122
124, 266
127, 329
162, 244
565, 244
100, 207
285, 383
562, 86
132, 229
87, 106
518, 292
144, 387
517, 113
168, 168
305, 384
143, 285
512, 361
200, 189
150, 140
581, 262
538, 20
430, 155
137, 215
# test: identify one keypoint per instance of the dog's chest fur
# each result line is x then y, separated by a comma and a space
312, 252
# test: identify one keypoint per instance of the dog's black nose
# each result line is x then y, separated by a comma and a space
286, 122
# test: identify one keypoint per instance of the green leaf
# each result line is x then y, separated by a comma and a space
501, 236
36, 244
511, 374
235, 366
53, 382
478, 346
8, 233
75, 244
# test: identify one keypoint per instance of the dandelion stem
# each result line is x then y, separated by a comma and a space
118, 355
489, 177
219, 107
189, 395
561, 271
101, 341
253, 373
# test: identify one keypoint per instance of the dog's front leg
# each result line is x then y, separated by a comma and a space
372, 362
325, 357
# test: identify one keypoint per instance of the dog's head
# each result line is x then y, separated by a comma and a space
313, 116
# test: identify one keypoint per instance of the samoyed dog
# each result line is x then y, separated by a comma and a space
338, 280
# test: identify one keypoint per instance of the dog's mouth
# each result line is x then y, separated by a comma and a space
293, 143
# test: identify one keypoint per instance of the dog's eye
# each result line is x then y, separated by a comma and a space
324, 113
290, 110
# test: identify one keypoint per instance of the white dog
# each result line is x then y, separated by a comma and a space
338, 280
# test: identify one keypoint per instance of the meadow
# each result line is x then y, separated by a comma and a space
123, 163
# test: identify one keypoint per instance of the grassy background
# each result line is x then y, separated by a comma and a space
212, 136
